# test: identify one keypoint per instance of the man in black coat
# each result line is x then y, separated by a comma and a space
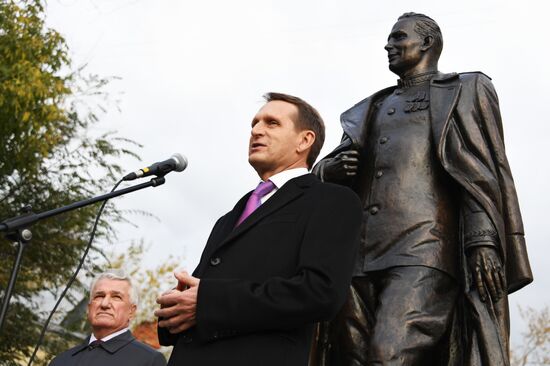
266, 277
113, 303
442, 238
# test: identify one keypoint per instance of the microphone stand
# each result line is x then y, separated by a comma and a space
16, 229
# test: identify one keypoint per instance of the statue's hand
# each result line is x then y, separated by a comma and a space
488, 274
342, 166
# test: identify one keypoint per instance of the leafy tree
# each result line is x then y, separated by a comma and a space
149, 283
48, 158
535, 347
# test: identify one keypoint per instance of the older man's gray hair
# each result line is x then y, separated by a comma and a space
119, 275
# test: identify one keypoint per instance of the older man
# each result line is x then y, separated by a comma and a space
113, 304
280, 261
442, 239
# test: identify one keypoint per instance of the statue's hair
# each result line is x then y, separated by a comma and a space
426, 26
119, 275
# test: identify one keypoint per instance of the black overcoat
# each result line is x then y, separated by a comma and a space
266, 282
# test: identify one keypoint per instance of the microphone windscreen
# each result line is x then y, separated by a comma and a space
181, 162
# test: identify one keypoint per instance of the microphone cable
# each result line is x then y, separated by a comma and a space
73, 278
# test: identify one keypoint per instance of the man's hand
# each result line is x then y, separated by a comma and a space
487, 272
178, 307
342, 166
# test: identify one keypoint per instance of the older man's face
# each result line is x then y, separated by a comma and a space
110, 308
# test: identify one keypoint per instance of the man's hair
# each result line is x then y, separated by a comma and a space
426, 26
308, 119
119, 275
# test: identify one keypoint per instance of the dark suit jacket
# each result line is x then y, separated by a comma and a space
265, 282
122, 350
468, 137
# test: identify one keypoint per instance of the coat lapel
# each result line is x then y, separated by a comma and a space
293, 189
114, 345
81, 347
444, 92
354, 120
233, 216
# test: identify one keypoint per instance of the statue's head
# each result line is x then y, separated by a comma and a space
414, 45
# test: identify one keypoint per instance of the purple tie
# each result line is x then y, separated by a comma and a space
254, 199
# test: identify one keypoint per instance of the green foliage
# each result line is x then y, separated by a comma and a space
47, 159
535, 347
148, 282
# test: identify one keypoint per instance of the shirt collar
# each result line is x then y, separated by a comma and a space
281, 178
110, 336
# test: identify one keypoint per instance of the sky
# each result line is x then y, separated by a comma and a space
190, 76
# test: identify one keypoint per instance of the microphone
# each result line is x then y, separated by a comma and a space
176, 162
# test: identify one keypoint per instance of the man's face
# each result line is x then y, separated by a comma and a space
110, 308
404, 47
274, 139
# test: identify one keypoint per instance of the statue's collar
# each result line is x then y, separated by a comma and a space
416, 79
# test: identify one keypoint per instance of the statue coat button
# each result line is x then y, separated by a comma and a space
379, 174
383, 140
373, 210
215, 261
391, 111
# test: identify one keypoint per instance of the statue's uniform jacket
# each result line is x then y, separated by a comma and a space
467, 135
410, 202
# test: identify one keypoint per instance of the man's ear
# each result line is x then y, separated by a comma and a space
133, 309
428, 43
307, 138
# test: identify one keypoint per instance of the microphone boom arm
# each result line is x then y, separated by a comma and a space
13, 224
16, 229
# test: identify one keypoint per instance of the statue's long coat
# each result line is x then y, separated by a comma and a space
468, 138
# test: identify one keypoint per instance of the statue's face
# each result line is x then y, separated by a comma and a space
404, 47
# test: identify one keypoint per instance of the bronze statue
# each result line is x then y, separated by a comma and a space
442, 238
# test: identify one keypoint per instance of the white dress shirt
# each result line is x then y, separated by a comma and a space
106, 338
281, 178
